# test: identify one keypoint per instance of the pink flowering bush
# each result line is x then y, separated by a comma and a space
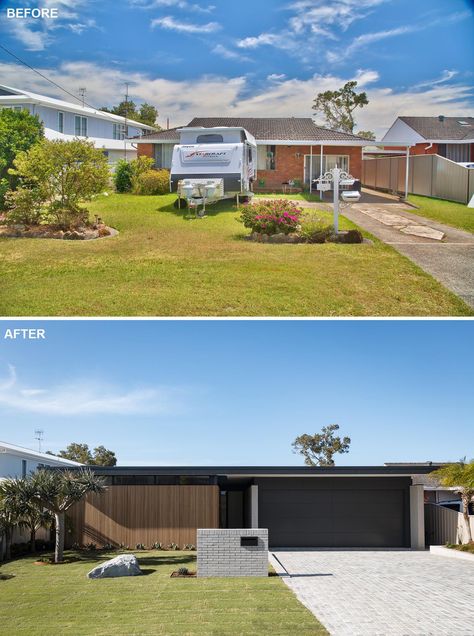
271, 217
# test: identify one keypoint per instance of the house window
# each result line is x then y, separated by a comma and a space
210, 138
329, 162
120, 131
23, 467
80, 126
266, 157
61, 122
163, 155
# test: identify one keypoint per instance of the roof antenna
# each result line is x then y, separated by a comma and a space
39, 436
82, 93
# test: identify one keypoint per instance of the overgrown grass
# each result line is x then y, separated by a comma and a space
455, 214
59, 599
162, 264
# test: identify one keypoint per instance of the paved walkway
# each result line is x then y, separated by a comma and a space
450, 260
383, 593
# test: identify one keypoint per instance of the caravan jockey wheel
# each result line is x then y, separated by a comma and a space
180, 203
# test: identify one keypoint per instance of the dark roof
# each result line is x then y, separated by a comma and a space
399, 469
266, 128
170, 134
433, 128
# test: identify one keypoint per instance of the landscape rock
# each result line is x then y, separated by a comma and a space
122, 565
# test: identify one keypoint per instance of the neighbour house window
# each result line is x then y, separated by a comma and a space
163, 155
210, 138
23, 467
80, 126
266, 157
60, 122
120, 131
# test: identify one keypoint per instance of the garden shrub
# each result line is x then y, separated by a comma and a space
351, 236
271, 217
153, 182
123, 176
57, 176
24, 206
139, 166
315, 230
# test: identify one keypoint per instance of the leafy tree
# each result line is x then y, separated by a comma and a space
337, 107
9, 518
18, 496
18, 132
58, 176
123, 176
81, 453
319, 449
460, 476
58, 490
366, 134
146, 114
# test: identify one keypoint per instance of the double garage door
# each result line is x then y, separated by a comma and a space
335, 512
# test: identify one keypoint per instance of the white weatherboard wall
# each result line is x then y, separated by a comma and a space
220, 553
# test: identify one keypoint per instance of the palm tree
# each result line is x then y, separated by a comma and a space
461, 477
9, 518
58, 490
19, 494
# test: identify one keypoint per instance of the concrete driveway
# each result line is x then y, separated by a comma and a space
382, 593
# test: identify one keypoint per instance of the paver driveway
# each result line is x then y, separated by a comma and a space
383, 593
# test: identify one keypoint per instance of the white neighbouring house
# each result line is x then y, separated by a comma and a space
16, 461
68, 121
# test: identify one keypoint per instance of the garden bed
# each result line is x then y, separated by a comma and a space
48, 232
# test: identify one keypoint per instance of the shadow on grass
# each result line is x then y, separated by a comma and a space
213, 209
6, 577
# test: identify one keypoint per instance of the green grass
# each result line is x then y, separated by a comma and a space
295, 196
466, 547
164, 265
59, 599
455, 214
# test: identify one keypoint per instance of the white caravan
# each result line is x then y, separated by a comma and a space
210, 164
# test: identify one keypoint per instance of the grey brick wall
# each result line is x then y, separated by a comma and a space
219, 552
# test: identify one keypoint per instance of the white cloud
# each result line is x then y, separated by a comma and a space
276, 77
264, 38
178, 4
314, 14
85, 397
234, 96
172, 24
228, 54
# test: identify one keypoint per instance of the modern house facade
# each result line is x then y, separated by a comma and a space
449, 137
66, 121
16, 461
290, 149
362, 506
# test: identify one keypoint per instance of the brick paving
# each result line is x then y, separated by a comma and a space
383, 593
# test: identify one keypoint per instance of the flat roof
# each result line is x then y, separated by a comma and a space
273, 471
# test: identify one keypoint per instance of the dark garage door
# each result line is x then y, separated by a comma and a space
335, 513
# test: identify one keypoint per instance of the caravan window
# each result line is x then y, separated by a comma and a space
210, 138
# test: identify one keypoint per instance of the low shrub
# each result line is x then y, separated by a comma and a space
271, 217
152, 182
189, 546
183, 571
123, 176
315, 230
140, 546
172, 546
351, 236
139, 166
157, 546
24, 207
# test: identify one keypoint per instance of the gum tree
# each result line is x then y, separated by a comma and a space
320, 448
58, 490
459, 476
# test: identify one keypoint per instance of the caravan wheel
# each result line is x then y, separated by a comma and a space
180, 203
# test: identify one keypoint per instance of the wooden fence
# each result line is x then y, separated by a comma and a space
443, 525
429, 175
144, 514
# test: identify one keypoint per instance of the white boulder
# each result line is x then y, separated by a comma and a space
122, 565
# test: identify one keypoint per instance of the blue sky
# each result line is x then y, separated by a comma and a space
251, 58
239, 392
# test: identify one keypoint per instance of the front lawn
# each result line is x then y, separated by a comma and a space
295, 196
59, 599
455, 214
164, 265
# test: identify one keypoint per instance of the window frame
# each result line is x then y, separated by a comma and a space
83, 125
61, 121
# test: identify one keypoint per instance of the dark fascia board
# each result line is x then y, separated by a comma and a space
273, 471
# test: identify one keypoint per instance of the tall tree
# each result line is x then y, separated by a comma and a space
366, 134
460, 476
9, 518
58, 490
18, 132
81, 453
146, 114
337, 107
320, 448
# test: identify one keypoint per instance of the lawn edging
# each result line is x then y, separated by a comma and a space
442, 550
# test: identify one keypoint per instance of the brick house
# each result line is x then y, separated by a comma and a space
450, 137
289, 148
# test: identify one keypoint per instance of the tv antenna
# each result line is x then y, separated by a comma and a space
39, 436
82, 93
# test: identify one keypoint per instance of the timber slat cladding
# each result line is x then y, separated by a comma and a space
145, 514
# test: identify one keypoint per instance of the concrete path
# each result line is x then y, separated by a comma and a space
382, 593
450, 260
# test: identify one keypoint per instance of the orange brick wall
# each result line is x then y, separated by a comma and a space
289, 166
422, 149
147, 150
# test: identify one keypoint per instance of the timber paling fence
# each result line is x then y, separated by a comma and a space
428, 175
